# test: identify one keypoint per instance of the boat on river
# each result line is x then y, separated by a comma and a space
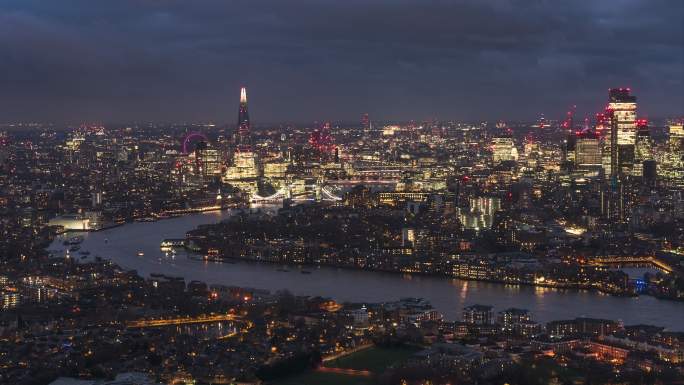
172, 243
146, 219
74, 240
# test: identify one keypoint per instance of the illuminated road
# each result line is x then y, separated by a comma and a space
194, 210
348, 372
145, 323
346, 352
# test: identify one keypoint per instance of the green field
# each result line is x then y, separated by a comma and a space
316, 378
375, 359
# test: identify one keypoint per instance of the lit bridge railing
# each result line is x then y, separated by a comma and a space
150, 323
326, 194
626, 260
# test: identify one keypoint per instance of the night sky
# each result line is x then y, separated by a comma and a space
166, 60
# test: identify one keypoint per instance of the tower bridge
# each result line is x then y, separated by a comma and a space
321, 190
312, 192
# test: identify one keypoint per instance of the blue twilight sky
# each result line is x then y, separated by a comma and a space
303, 60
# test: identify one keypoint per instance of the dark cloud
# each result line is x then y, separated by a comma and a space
75, 60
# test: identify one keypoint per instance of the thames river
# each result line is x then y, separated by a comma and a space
123, 244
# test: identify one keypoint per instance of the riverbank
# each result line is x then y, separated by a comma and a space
122, 244
230, 260
166, 214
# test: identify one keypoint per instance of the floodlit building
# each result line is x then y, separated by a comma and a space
587, 150
503, 149
622, 106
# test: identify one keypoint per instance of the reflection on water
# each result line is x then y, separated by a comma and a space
448, 295
512, 287
464, 290
539, 291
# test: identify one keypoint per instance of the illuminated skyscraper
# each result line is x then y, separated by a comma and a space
676, 137
245, 169
571, 147
365, 122
243, 140
207, 160
623, 107
672, 160
603, 130
4, 150
587, 150
642, 147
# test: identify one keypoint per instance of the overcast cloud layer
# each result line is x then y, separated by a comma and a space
166, 60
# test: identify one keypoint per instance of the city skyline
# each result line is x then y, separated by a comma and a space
570, 115
306, 192
468, 61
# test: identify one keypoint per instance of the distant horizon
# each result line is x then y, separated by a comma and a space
579, 119
301, 60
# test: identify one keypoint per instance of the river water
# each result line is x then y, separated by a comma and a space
449, 296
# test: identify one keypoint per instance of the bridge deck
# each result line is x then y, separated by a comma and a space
626, 260
182, 321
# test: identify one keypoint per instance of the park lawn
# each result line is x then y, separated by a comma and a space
375, 359
546, 369
316, 378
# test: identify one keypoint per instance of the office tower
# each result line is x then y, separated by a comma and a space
207, 160
531, 152
622, 106
587, 150
603, 131
571, 147
611, 196
642, 147
671, 161
613, 147
365, 122
4, 151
